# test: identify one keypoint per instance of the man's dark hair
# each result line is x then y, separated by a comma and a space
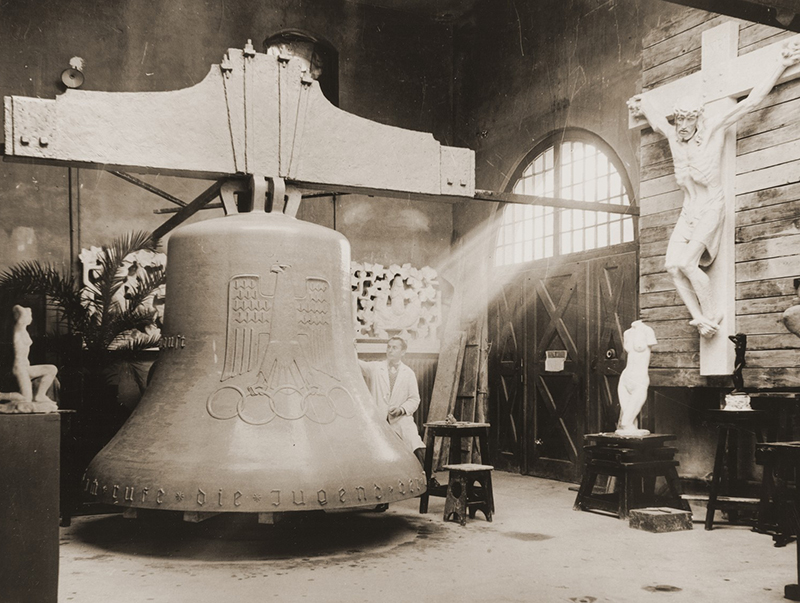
401, 340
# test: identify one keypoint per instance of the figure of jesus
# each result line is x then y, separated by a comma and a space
696, 142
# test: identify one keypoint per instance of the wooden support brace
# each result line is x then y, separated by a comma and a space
269, 518
197, 516
187, 212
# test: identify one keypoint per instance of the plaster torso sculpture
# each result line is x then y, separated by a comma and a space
634, 380
28, 400
696, 142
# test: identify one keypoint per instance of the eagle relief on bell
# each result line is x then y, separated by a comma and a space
262, 407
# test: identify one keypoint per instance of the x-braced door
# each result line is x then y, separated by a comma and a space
557, 319
507, 386
613, 297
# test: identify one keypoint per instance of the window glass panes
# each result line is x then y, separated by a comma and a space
573, 170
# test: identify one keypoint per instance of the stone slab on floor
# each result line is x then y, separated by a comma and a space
660, 519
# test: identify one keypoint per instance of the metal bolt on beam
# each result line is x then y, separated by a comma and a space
44, 141
225, 65
24, 140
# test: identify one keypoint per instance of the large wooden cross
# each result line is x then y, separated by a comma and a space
723, 79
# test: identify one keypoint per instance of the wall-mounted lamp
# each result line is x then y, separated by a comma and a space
73, 76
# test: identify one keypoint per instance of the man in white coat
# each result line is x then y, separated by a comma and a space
394, 387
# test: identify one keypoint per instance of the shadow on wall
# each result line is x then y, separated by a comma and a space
677, 411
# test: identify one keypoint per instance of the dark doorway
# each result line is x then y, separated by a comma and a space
578, 304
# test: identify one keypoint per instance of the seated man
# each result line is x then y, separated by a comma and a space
394, 388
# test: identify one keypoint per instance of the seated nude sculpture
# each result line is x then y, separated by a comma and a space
696, 143
40, 376
634, 380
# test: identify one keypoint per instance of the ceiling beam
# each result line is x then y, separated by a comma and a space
775, 13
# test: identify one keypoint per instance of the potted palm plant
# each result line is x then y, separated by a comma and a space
104, 326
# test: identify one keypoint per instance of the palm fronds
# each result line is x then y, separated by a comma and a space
109, 311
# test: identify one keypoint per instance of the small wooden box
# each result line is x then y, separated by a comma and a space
660, 519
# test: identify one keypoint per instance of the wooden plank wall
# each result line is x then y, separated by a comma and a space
767, 218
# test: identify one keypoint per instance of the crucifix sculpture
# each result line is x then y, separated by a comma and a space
702, 142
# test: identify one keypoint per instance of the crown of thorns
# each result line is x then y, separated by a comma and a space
687, 112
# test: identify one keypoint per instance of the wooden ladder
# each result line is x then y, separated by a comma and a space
460, 387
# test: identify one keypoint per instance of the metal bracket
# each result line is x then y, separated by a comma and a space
227, 194
258, 188
277, 195
294, 197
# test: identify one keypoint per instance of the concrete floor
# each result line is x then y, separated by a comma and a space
537, 549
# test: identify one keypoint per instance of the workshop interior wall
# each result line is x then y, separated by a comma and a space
767, 237
526, 70
529, 69
394, 69
498, 82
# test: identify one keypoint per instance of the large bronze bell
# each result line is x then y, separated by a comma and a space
257, 402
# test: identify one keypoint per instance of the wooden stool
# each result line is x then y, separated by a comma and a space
636, 463
784, 459
455, 432
725, 488
469, 489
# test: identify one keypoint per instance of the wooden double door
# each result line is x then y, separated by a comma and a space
579, 307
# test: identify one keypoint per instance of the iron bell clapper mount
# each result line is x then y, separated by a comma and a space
257, 403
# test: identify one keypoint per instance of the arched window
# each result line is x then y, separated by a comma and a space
572, 165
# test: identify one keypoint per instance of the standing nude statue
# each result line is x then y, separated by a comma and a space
28, 400
740, 345
696, 142
635, 379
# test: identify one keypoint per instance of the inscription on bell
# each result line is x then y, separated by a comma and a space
172, 342
378, 492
